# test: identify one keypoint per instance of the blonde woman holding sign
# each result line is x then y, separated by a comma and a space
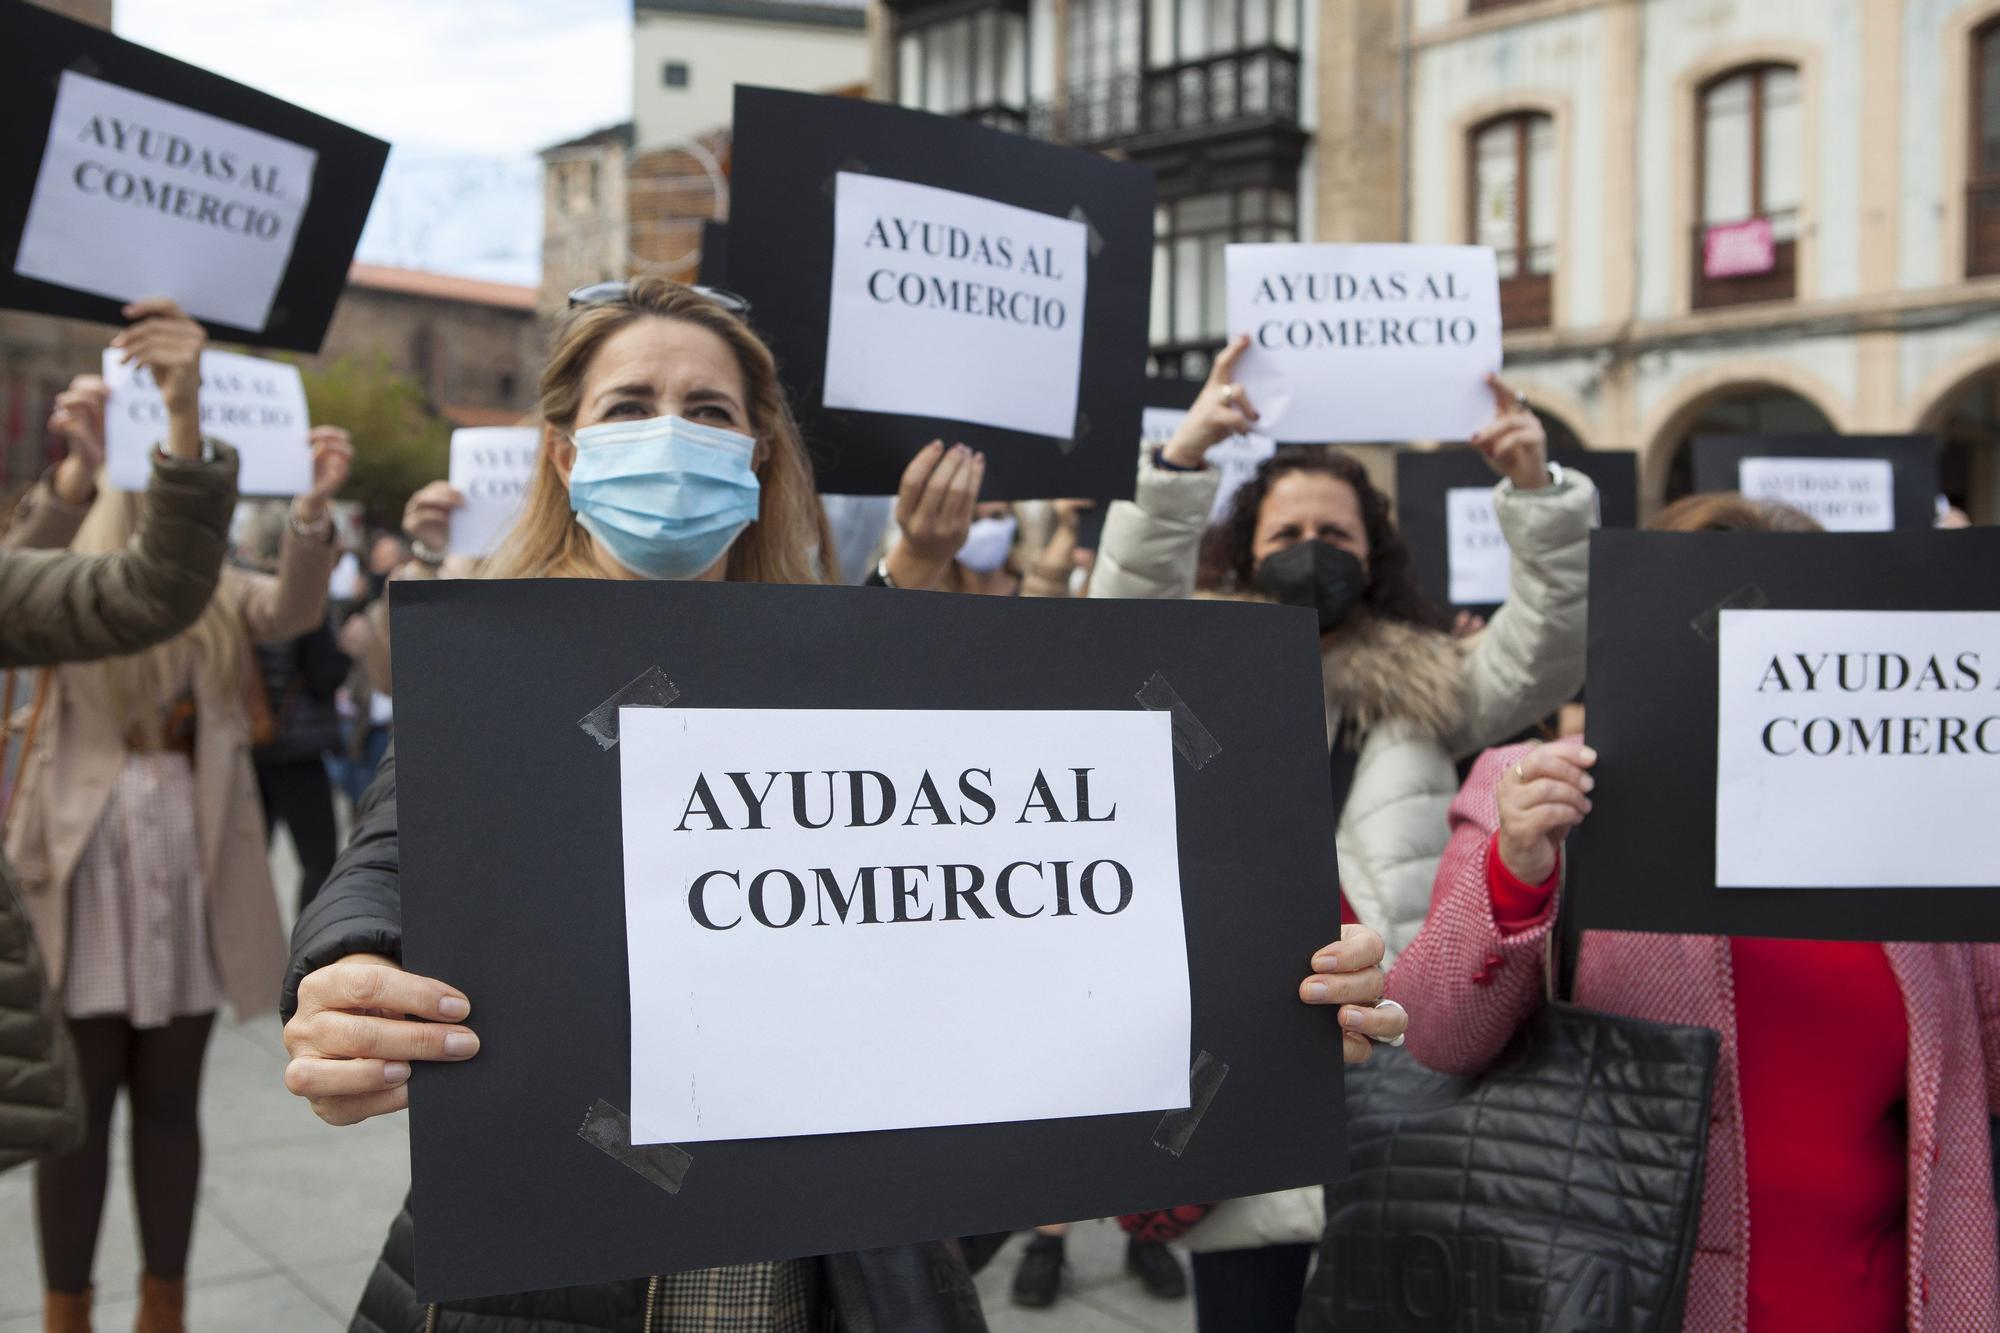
138, 836
668, 452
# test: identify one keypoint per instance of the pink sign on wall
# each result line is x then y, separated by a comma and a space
1739, 249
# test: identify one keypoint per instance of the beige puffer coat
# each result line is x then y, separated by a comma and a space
1422, 699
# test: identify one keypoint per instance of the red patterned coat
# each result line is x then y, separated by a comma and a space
1468, 988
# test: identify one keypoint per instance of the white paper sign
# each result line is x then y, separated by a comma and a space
1857, 749
256, 405
1360, 343
1844, 494
1479, 561
142, 197
491, 467
948, 305
1237, 457
882, 907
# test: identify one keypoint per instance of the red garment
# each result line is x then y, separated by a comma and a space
1823, 1042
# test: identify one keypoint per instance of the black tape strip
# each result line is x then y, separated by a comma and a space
1191, 738
1096, 241
607, 1129
1205, 1076
650, 689
1749, 597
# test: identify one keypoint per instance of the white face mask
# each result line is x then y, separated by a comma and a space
987, 544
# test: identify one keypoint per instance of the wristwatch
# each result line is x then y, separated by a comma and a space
425, 554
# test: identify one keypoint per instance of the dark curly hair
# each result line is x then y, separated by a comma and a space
1228, 566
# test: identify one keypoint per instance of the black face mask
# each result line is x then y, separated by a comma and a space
1315, 574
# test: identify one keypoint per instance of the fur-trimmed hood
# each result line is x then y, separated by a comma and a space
1376, 671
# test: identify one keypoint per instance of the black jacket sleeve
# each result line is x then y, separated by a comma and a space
360, 909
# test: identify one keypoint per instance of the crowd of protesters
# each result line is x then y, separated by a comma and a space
180, 702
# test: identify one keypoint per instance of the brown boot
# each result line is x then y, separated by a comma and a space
161, 1301
66, 1312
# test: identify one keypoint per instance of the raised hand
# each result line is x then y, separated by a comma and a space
1514, 444
934, 505
1221, 410
1541, 799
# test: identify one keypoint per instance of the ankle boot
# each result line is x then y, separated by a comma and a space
161, 1300
66, 1311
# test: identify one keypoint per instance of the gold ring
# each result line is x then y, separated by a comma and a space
1519, 776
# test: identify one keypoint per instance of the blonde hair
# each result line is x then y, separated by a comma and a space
216, 644
789, 542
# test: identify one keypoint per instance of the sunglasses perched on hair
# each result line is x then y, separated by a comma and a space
611, 293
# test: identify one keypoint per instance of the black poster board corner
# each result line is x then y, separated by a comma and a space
788, 149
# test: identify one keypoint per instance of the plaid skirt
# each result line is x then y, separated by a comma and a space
138, 916
738, 1298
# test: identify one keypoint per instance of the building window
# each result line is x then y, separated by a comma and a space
1982, 203
1190, 287
973, 65
674, 74
1752, 143
1102, 69
1514, 211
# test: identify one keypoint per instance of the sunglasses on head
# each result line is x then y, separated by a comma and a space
611, 293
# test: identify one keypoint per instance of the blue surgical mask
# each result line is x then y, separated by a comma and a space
665, 496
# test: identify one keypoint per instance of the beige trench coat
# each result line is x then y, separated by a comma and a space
66, 781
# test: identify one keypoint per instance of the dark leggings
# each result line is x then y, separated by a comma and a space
1250, 1291
160, 1069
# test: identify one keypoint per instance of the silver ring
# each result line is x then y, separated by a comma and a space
1229, 395
1386, 1003
1521, 403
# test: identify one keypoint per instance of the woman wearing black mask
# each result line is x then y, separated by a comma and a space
1404, 698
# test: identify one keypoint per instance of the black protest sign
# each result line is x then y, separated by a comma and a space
515, 892
922, 277
1799, 735
1849, 483
1444, 510
126, 174
714, 270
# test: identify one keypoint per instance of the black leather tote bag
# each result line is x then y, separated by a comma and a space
1557, 1192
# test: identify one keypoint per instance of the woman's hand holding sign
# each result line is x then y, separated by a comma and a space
359, 1023
1514, 443
169, 345
934, 508
78, 418
332, 460
1349, 973
1541, 799
1221, 410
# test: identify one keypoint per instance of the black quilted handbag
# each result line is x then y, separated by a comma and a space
1557, 1192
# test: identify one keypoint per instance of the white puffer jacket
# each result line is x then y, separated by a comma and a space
1421, 699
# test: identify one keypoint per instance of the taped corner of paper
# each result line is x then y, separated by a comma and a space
1205, 1077
609, 1130
1749, 597
852, 166
1195, 742
649, 689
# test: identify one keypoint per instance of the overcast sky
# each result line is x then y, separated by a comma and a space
467, 90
